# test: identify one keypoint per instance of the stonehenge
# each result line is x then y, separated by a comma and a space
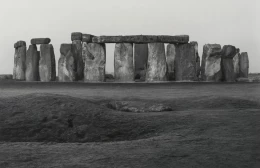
147, 58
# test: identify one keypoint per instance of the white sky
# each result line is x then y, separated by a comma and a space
235, 22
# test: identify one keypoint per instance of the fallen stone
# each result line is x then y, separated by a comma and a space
243, 80
211, 69
32, 64
19, 63
40, 41
170, 57
123, 62
137, 106
77, 53
87, 38
95, 62
140, 60
6, 77
185, 62
228, 53
236, 64
156, 64
141, 39
66, 64
76, 36
244, 65
47, 67
19, 44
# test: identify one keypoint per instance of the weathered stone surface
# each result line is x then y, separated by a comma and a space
124, 63
32, 64
244, 65
156, 64
76, 36
211, 69
47, 67
170, 57
185, 62
95, 62
236, 64
140, 60
19, 44
141, 39
66, 64
40, 41
77, 53
228, 53
19, 63
87, 38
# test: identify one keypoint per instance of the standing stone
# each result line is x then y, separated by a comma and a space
236, 64
185, 62
211, 69
32, 64
66, 64
244, 65
198, 68
140, 60
19, 63
156, 64
170, 57
123, 62
228, 53
47, 67
95, 62
77, 53
76, 36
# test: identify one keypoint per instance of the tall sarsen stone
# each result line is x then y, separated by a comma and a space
47, 67
140, 60
156, 64
123, 62
95, 62
32, 64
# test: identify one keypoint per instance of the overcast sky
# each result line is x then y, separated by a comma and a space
235, 22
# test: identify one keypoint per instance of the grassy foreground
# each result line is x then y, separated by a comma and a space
70, 125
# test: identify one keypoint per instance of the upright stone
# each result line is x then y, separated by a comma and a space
228, 53
19, 61
77, 52
140, 60
236, 64
95, 62
32, 64
47, 67
156, 64
123, 64
185, 62
66, 64
170, 57
244, 65
211, 69
198, 68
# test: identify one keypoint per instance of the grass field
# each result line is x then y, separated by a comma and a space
71, 125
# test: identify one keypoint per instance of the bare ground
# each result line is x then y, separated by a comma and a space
69, 125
